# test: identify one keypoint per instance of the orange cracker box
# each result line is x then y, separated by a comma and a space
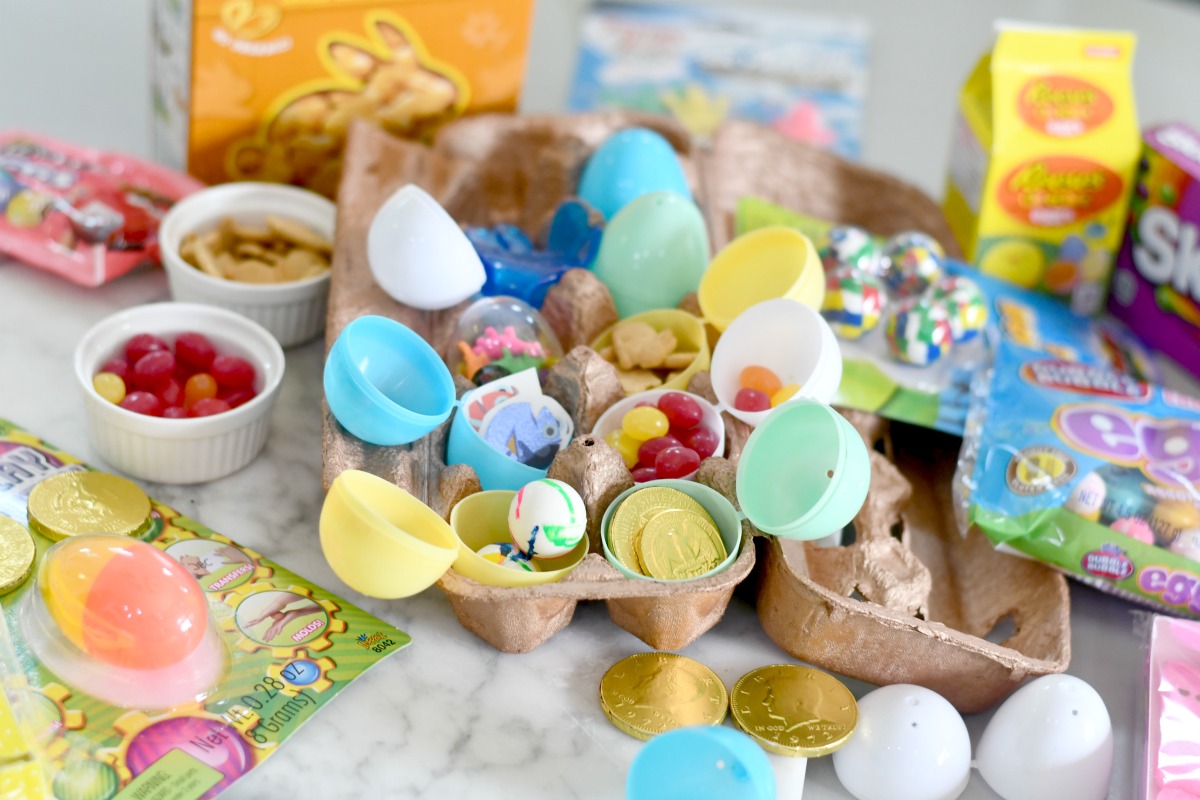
1042, 161
265, 89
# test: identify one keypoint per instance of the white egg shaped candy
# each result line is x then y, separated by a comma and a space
1087, 498
546, 518
1052, 739
910, 744
418, 253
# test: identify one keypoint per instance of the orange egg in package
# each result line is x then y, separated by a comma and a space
123, 621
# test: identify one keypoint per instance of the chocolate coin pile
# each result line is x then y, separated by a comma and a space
646, 694
17, 553
664, 534
794, 710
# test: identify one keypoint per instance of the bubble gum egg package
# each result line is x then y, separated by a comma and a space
1089, 470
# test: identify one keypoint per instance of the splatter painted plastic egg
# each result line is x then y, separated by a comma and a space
918, 332
854, 301
910, 262
1087, 498
124, 602
546, 519
965, 303
849, 246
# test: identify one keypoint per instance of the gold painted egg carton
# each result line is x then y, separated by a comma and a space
908, 601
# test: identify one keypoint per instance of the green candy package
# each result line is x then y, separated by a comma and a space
1089, 470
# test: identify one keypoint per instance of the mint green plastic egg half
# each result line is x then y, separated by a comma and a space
653, 252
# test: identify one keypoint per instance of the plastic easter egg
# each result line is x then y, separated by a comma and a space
910, 744
502, 333
701, 762
1087, 498
419, 255
631, 163
964, 300
1051, 739
546, 519
918, 332
910, 262
124, 621
854, 302
849, 246
653, 252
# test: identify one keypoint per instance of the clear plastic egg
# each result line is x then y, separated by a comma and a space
500, 336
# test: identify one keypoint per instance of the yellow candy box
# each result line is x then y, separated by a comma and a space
265, 89
1042, 161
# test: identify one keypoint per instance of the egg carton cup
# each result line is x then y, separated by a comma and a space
908, 600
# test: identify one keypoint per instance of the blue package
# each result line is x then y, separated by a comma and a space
1089, 470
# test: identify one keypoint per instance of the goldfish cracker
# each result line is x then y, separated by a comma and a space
1044, 153
274, 85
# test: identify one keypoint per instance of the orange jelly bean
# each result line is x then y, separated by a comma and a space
760, 378
200, 386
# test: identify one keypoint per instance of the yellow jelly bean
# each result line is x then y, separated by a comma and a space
784, 394
625, 445
109, 386
644, 423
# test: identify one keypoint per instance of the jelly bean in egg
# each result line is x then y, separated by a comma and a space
645, 423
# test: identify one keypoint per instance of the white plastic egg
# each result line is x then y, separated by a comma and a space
419, 255
546, 518
1052, 739
910, 744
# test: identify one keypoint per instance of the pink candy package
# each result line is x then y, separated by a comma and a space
86, 215
1173, 723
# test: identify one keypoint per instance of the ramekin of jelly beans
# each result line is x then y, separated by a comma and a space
662, 433
178, 392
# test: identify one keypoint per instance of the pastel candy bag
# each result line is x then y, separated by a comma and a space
83, 214
1089, 470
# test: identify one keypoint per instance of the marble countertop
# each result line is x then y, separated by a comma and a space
449, 716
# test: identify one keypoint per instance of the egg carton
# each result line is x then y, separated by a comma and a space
908, 601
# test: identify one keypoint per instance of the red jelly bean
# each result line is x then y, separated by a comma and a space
232, 372
703, 440
682, 411
240, 397
143, 403
118, 367
142, 344
751, 400
175, 412
643, 474
650, 449
207, 407
153, 370
676, 462
171, 393
195, 351
198, 387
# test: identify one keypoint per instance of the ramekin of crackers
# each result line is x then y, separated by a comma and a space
260, 249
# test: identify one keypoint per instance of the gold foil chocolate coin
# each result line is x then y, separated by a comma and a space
794, 710
678, 545
634, 512
650, 693
88, 502
17, 553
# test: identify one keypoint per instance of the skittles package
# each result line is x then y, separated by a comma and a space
1089, 470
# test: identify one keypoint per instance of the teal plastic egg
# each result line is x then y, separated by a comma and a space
629, 164
653, 253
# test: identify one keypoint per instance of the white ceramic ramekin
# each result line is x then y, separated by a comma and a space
192, 450
293, 312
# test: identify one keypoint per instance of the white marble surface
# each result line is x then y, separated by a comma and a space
450, 717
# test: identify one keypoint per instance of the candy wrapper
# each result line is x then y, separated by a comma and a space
86, 215
1172, 762
1089, 470
910, 354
